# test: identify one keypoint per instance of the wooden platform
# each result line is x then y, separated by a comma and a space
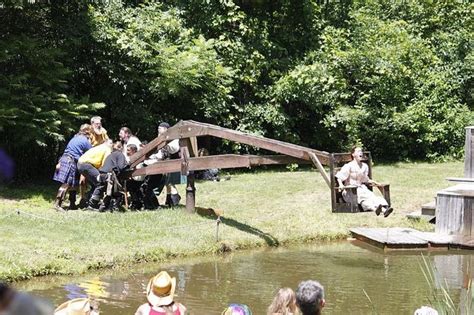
407, 238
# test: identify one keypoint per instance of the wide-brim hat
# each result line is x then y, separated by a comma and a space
160, 289
81, 306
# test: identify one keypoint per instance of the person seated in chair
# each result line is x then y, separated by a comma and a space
356, 173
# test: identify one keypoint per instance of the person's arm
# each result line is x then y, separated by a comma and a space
343, 175
368, 179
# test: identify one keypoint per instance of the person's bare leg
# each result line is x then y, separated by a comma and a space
60, 197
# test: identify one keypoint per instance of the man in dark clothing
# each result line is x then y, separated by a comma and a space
113, 165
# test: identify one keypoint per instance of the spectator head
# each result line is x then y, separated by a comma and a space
160, 289
80, 306
96, 122
6, 296
310, 297
163, 127
117, 146
237, 309
283, 303
131, 149
125, 133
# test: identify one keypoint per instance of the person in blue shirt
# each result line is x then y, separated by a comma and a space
66, 170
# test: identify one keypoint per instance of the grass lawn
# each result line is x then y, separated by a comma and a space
265, 208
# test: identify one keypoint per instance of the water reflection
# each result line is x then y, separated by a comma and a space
394, 281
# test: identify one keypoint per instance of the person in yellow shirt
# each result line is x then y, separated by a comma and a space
99, 134
88, 166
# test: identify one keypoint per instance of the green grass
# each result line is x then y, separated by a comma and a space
265, 208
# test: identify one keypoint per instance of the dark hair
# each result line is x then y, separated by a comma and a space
309, 297
132, 147
117, 146
4, 291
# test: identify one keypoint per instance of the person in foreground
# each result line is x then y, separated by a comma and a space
160, 296
284, 303
356, 173
13, 302
80, 306
310, 297
237, 309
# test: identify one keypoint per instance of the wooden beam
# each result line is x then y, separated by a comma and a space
320, 167
154, 145
214, 161
189, 128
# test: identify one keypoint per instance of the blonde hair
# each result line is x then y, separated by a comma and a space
284, 302
85, 130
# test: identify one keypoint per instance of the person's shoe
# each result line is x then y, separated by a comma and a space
387, 212
83, 203
378, 210
175, 198
59, 208
93, 205
73, 207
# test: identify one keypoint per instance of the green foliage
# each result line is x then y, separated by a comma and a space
178, 71
396, 76
382, 83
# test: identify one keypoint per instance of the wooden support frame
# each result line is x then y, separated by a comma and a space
188, 131
214, 161
191, 129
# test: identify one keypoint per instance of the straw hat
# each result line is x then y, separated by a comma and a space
160, 289
81, 306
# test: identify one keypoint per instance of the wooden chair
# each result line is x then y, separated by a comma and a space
337, 160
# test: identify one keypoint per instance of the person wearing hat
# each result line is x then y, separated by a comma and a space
160, 295
80, 306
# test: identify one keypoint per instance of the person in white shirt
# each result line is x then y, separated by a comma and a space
170, 151
127, 138
356, 173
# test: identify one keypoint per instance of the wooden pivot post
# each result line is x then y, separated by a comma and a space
190, 194
185, 146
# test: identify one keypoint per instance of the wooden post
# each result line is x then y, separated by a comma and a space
190, 194
185, 144
320, 167
469, 153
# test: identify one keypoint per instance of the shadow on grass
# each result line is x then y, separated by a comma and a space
268, 238
47, 191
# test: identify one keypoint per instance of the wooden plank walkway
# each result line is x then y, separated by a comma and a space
408, 238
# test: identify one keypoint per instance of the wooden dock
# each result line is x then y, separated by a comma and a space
407, 238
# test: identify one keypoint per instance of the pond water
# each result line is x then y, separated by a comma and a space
394, 281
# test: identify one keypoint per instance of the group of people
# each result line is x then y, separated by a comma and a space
160, 300
91, 158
